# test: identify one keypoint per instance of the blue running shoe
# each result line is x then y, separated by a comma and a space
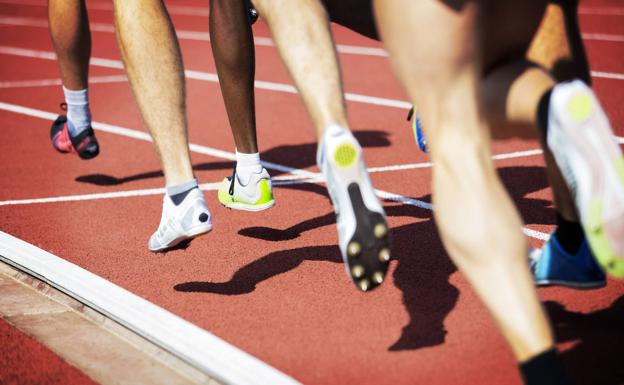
421, 140
555, 266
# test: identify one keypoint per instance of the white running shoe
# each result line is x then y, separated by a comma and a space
363, 233
189, 219
256, 195
582, 142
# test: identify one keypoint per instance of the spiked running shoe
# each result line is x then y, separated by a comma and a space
84, 144
363, 233
419, 135
554, 266
188, 220
582, 142
256, 195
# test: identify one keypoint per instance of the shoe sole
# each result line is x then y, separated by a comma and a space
588, 134
197, 232
246, 207
367, 254
571, 284
368, 250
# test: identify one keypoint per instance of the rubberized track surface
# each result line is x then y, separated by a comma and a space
273, 283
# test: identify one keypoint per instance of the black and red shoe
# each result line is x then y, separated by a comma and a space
84, 144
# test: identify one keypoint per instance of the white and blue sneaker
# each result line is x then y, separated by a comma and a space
554, 266
363, 233
189, 219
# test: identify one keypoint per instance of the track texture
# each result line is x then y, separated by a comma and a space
273, 283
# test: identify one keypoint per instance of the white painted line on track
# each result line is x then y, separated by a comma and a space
193, 35
58, 82
410, 166
277, 181
182, 338
603, 37
259, 40
312, 176
607, 75
100, 6
210, 77
204, 11
601, 11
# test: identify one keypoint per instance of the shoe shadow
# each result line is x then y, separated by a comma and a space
110, 180
596, 357
522, 181
422, 274
297, 156
275, 235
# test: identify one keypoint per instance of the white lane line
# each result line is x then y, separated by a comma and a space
410, 166
204, 11
173, 9
210, 77
182, 338
140, 135
601, 11
57, 82
298, 173
259, 40
603, 37
192, 35
607, 75
276, 181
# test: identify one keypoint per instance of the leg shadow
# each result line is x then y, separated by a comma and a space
422, 275
245, 280
596, 358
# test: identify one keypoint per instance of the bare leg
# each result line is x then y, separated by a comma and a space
153, 62
69, 29
301, 32
233, 48
306, 46
472, 207
154, 67
514, 91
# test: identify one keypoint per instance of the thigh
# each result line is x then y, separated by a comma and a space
509, 28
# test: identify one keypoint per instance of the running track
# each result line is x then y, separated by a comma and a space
272, 283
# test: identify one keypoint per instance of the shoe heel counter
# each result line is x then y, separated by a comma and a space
266, 192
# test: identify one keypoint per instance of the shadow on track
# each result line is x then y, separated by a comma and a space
297, 156
422, 274
520, 181
423, 267
596, 358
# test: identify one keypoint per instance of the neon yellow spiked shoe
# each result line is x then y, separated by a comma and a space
256, 195
590, 159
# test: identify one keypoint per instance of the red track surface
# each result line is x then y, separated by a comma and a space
273, 283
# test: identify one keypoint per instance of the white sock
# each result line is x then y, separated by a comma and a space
78, 112
247, 164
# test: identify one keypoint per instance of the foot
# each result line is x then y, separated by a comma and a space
185, 221
363, 232
419, 135
256, 195
84, 144
580, 137
554, 266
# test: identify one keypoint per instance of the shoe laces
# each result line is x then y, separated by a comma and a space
410, 114
232, 181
